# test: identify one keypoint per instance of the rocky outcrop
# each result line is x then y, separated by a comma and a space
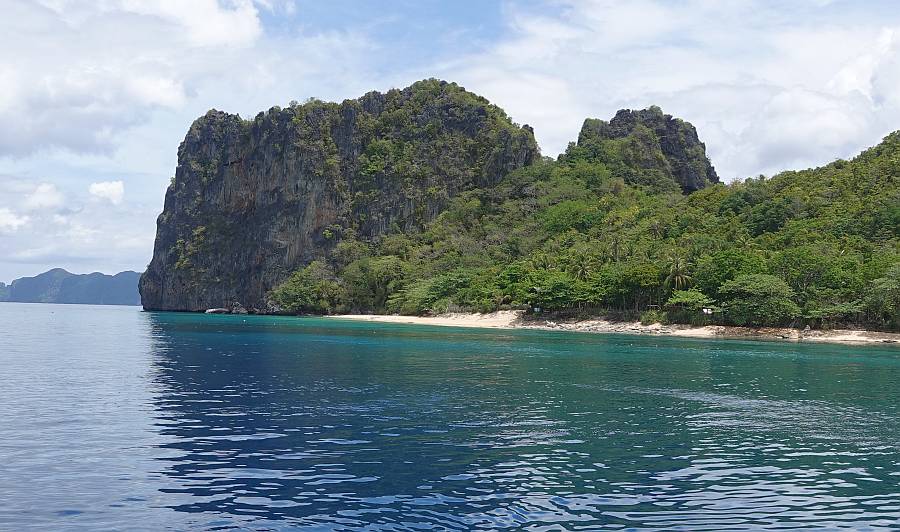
253, 200
647, 147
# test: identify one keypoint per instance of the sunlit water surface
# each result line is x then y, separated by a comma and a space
116, 419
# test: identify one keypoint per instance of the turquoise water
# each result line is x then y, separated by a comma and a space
116, 419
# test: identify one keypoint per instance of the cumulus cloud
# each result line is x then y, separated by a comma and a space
70, 235
98, 93
44, 196
79, 76
113, 191
10, 221
769, 87
207, 22
75, 75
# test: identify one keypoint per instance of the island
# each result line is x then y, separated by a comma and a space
60, 286
430, 200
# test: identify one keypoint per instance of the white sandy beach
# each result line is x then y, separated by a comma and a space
504, 319
513, 319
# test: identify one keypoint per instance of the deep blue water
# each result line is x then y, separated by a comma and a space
117, 419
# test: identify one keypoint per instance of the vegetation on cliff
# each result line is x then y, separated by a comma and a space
648, 148
430, 198
252, 200
598, 234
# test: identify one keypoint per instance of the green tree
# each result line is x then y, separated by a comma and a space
883, 299
758, 300
691, 300
687, 306
715, 269
550, 289
312, 289
371, 280
678, 276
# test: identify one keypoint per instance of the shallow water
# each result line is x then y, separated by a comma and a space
116, 419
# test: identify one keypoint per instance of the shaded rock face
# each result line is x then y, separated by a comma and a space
252, 201
656, 142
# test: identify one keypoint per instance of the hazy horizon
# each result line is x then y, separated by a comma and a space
8, 282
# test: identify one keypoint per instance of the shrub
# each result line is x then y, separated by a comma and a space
649, 317
686, 306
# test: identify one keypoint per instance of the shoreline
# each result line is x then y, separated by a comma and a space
513, 319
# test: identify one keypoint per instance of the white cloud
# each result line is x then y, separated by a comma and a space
207, 22
10, 221
76, 75
80, 76
73, 236
44, 196
113, 191
769, 87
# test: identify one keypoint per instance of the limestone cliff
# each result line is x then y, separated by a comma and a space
647, 147
253, 200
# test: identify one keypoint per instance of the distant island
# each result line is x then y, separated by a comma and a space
429, 199
60, 286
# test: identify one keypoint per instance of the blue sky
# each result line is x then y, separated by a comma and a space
96, 96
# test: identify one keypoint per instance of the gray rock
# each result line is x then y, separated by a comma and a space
254, 200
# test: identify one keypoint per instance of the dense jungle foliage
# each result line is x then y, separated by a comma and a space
595, 234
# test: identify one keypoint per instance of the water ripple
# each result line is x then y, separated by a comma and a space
214, 423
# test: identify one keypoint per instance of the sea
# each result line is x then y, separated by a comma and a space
112, 418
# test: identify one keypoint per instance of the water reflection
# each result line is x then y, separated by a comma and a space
278, 423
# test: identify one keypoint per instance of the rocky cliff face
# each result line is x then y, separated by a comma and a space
253, 200
647, 147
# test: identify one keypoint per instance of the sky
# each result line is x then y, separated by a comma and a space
96, 95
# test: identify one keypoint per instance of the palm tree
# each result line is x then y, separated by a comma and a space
615, 247
678, 277
541, 261
581, 265
744, 240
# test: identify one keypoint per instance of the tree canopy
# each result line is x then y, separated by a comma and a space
582, 234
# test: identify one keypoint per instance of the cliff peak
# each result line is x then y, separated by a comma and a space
646, 147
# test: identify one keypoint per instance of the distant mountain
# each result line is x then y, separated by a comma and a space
60, 286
